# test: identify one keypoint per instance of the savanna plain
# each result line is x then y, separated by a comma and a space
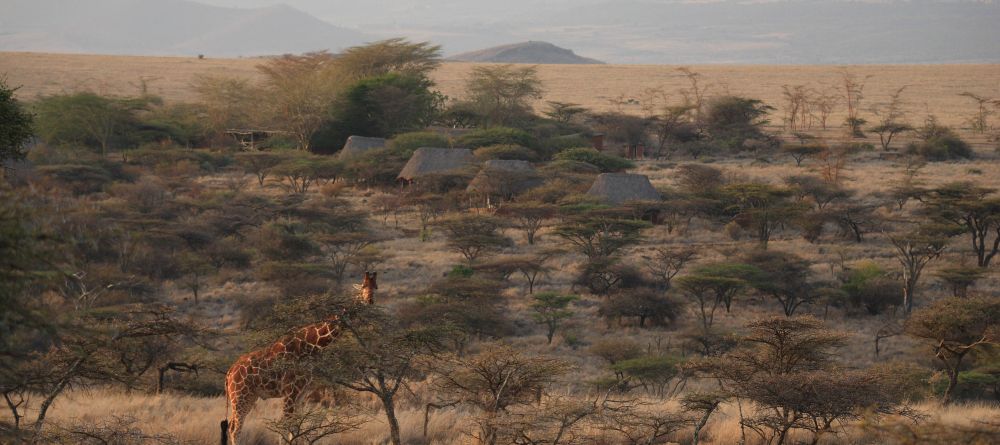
810, 261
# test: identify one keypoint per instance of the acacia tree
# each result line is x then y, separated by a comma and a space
853, 94
783, 276
976, 209
550, 309
664, 263
799, 152
528, 216
600, 234
564, 112
396, 55
474, 235
227, 103
492, 382
786, 367
914, 250
890, 119
302, 89
955, 327
87, 118
260, 163
379, 358
760, 207
980, 120
501, 93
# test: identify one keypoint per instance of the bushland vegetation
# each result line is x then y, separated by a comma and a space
791, 286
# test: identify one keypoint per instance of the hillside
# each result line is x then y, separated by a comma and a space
526, 52
167, 27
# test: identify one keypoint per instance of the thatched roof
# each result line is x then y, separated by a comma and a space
428, 161
505, 177
619, 188
357, 145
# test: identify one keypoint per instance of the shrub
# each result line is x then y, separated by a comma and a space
868, 286
571, 166
556, 144
496, 136
81, 179
407, 143
942, 147
515, 152
606, 163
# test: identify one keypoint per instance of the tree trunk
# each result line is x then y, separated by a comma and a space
390, 414
51, 396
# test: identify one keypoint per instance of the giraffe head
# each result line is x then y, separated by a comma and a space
368, 287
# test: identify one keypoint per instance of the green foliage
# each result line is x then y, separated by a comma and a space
405, 144
800, 152
15, 125
82, 179
550, 308
508, 152
486, 137
501, 94
733, 118
461, 271
941, 144
783, 276
654, 373
97, 122
564, 112
556, 144
26, 262
601, 234
157, 157
301, 172
182, 124
381, 106
605, 162
474, 235
390, 56
761, 208
955, 327
869, 286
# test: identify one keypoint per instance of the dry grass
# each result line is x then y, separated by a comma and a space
931, 88
196, 419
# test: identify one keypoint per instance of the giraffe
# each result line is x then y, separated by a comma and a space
259, 374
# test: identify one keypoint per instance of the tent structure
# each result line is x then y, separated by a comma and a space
357, 145
619, 188
504, 179
433, 161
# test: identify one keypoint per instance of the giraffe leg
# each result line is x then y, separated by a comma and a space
288, 407
240, 411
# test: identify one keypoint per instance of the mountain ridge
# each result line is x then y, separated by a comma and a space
166, 27
526, 52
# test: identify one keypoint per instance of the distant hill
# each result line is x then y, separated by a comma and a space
164, 27
527, 52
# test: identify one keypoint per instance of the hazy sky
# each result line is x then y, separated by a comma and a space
616, 31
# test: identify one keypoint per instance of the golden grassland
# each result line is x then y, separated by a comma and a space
931, 89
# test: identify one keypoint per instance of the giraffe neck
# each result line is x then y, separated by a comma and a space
311, 339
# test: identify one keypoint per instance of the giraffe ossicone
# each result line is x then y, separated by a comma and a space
264, 374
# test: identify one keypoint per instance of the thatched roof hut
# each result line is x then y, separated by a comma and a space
619, 188
357, 145
505, 178
430, 161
